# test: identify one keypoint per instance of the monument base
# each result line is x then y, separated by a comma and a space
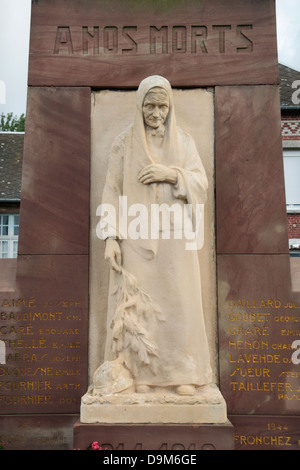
163, 437
207, 406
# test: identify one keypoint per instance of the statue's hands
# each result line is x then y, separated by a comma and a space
157, 173
113, 254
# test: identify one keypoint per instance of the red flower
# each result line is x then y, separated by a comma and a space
95, 446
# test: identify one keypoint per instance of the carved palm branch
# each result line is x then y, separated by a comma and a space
131, 339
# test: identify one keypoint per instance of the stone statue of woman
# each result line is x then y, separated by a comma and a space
155, 324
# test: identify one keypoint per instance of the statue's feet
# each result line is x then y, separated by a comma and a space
186, 390
143, 388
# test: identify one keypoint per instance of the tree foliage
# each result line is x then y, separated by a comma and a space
11, 123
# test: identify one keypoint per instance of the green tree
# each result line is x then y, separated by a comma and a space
11, 123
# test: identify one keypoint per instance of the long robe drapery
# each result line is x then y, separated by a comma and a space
164, 269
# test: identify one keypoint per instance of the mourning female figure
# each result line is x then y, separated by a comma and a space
155, 323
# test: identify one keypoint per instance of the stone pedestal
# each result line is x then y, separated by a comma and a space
205, 407
161, 437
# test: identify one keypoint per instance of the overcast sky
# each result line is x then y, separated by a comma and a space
14, 43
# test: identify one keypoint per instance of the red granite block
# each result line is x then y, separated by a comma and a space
250, 192
54, 217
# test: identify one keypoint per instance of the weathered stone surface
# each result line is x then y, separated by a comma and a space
37, 432
206, 406
250, 196
54, 215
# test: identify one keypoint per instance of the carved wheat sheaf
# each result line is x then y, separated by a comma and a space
135, 309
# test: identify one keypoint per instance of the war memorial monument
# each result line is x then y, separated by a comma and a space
152, 302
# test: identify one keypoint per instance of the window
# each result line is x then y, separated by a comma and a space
291, 159
9, 233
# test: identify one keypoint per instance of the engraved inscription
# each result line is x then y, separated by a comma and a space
158, 36
63, 41
127, 33
17, 433
164, 446
247, 43
222, 30
90, 38
260, 338
162, 39
179, 39
110, 40
43, 361
198, 36
280, 433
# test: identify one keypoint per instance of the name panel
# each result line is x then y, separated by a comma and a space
37, 432
266, 432
43, 338
259, 336
93, 44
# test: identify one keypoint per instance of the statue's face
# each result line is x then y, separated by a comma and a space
155, 107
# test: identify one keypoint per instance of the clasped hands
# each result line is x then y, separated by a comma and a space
157, 173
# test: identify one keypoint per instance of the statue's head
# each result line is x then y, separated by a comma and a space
156, 107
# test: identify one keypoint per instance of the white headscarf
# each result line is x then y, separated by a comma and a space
139, 132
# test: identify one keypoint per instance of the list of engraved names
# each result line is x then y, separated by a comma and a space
42, 364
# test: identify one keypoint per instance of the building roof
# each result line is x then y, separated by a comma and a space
287, 77
11, 159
